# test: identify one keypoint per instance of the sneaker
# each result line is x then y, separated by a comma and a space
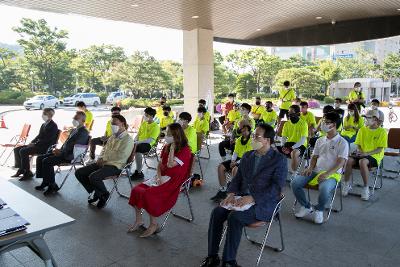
211, 261
137, 175
318, 217
230, 264
41, 187
346, 187
51, 189
303, 211
219, 196
365, 193
90, 161
103, 200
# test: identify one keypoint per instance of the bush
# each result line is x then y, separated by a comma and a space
143, 102
313, 103
329, 100
103, 97
14, 97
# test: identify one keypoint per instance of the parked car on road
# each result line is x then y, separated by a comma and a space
41, 102
113, 97
90, 99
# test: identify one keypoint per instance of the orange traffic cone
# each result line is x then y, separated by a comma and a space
3, 123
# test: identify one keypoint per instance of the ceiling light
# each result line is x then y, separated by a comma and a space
134, 5
258, 30
318, 17
398, 9
195, 17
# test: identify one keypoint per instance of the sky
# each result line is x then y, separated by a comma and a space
85, 31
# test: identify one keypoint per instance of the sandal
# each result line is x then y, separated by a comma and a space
135, 227
152, 229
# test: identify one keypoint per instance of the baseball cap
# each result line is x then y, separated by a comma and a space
375, 113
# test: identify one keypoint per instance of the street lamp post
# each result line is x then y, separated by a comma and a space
31, 72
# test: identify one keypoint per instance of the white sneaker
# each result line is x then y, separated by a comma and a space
318, 217
365, 193
303, 211
346, 187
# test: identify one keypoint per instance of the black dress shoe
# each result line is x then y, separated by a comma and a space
27, 175
52, 189
221, 195
18, 173
211, 261
230, 264
137, 175
103, 201
41, 187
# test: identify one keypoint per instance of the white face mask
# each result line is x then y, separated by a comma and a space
145, 118
369, 121
200, 115
337, 105
244, 112
374, 107
75, 123
256, 145
325, 127
169, 139
45, 117
351, 113
114, 129
181, 122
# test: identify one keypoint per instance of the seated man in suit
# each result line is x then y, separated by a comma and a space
47, 137
45, 163
259, 180
112, 159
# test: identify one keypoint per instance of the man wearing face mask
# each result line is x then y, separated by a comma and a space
328, 158
166, 118
207, 115
242, 145
294, 137
286, 96
245, 110
371, 142
159, 110
45, 163
269, 116
147, 137
232, 118
190, 132
308, 117
338, 109
112, 159
357, 96
101, 141
257, 110
201, 125
260, 180
375, 106
47, 137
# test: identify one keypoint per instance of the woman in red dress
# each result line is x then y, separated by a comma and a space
161, 197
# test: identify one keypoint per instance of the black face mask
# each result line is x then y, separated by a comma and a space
269, 108
162, 103
258, 102
166, 113
294, 118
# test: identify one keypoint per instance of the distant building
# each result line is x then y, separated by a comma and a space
371, 87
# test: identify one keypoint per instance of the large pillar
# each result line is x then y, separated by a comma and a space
198, 69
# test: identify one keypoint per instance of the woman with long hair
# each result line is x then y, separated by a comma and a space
159, 195
351, 123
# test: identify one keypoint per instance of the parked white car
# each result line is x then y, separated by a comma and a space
113, 97
90, 99
41, 102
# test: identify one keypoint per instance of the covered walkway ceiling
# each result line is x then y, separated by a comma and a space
251, 22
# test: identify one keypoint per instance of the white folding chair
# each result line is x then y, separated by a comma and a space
267, 225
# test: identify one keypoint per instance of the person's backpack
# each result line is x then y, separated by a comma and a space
214, 125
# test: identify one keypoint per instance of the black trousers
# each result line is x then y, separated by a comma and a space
45, 167
226, 144
92, 176
93, 143
21, 156
222, 119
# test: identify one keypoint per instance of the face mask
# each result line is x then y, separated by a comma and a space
114, 129
325, 127
337, 105
351, 113
369, 121
374, 107
230, 99
200, 115
166, 113
145, 118
45, 117
181, 123
243, 112
256, 145
268, 107
294, 118
75, 123
162, 103
169, 139
258, 103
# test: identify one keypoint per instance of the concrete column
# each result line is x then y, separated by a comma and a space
198, 69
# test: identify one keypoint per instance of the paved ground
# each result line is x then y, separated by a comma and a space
363, 234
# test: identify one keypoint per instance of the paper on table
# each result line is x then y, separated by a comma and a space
243, 208
153, 181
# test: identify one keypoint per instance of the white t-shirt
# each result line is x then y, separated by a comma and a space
328, 150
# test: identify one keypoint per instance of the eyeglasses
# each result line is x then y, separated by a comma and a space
255, 136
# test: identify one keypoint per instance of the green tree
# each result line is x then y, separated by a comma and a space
45, 51
329, 72
224, 78
391, 67
361, 66
245, 85
175, 71
306, 82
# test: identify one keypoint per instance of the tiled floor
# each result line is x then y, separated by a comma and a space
363, 234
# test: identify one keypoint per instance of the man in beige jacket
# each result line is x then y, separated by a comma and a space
112, 159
